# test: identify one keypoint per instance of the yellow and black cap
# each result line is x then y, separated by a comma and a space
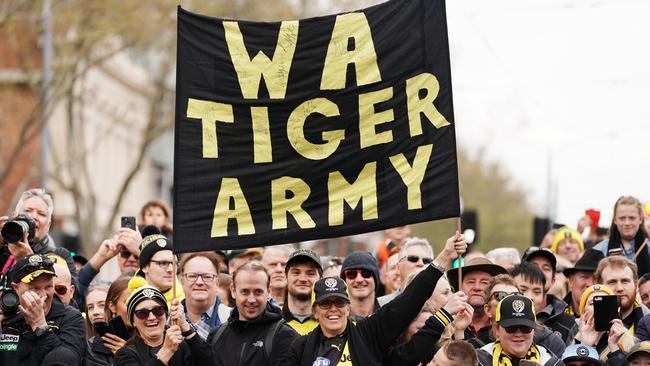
515, 310
330, 287
28, 268
152, 244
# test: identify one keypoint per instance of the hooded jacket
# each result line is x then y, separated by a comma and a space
65, 342
554, 317
242, 342
369, 339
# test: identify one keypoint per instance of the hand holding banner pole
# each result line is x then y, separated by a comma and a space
174, 321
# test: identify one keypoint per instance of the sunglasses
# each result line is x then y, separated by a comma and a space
351, 274
61, 289
126, 254
338, 302
143, 314
500, 295
521, 328
416, 258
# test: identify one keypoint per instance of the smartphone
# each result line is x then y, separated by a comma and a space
128, 222
615, 251
119, 328
102, 328
606, 309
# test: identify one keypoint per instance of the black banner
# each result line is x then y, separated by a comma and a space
317, 128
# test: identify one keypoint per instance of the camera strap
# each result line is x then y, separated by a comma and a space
8, 264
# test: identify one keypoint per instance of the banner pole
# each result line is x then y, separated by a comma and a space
174, 285
460, 259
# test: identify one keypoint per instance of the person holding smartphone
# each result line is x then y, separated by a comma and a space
618, 338
109, 328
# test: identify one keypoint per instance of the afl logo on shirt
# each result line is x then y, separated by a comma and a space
321, 361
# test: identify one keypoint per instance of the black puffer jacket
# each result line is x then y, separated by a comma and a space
64, 344
371, 338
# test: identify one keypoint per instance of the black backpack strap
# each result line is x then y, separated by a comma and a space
218, 334
270, 335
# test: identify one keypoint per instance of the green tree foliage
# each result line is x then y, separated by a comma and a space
504, 217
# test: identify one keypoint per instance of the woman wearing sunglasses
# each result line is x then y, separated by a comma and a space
339, 340
152, 343
101, 349
513, 329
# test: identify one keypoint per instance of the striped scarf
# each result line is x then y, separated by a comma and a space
500, 358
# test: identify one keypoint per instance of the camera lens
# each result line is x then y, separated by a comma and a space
14, 230
9, 302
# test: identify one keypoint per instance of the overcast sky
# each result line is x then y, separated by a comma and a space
565, 81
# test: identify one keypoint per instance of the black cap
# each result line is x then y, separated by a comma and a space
330, 287
587, 263
515, 310
151, 245
302, 255
533, 252
28, 268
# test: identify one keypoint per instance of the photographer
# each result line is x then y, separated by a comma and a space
34, 208
41, 330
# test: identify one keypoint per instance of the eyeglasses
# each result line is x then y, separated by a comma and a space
163, 264
126, 254
576, 363
521, 328
416, 258
500, 295
338, 302
351, 274
143, 314
61, 289
206, 277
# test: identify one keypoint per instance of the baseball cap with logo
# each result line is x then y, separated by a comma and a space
302, 255
28, 268
581, 353
515, 310
330, 287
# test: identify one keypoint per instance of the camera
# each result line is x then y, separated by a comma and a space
15, 229
9, 300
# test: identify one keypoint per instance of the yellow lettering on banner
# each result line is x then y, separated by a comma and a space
416, 105
281, 205
275, 71
230, 189
209, 113
363, 56
296, 129
262, 149
412, 176
364, 189
368, 119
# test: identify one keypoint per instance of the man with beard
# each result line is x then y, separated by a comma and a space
303, 269
579, 278
620, 275
275, 261
477, 273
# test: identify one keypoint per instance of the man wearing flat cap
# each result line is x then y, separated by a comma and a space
477, 273
42, 331
514, 325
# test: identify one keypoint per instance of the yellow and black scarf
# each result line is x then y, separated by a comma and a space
500, 358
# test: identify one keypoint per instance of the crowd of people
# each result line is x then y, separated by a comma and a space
578, 298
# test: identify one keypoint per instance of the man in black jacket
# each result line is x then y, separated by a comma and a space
45, 332
255, 333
